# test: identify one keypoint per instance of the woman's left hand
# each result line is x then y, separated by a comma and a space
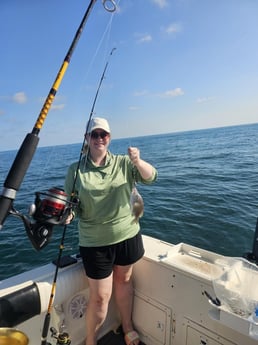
134, 155
145, 169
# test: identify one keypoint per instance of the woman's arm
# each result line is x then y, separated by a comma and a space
145, 169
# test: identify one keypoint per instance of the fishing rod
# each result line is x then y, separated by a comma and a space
26, 152
96, 96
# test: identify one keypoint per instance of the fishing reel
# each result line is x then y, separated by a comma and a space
61, 338
46, 213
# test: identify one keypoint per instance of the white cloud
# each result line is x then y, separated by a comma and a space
166, 94
161, 3
19, 97
204, 99
144, 38
57, 106
173, 28
172, 93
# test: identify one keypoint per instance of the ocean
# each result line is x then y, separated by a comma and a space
205, 194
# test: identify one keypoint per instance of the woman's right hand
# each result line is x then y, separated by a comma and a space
69, 218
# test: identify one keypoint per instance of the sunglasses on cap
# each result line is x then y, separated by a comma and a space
96, 135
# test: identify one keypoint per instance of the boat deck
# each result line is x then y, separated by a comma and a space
114, 338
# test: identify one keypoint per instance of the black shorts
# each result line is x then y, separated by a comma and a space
99, 261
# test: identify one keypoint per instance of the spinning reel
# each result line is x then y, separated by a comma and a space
48, 212
61, 338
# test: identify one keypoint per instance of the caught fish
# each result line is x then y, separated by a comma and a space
136, 203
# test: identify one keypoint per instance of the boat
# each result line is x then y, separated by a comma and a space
183, 295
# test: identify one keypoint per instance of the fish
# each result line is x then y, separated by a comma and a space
136, 204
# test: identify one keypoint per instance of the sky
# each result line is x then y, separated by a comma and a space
178, 65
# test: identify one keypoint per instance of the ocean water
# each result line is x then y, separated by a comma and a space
206, 193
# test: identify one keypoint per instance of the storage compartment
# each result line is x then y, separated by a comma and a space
152, 320
199, 336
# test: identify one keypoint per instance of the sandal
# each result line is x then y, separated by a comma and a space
131, 336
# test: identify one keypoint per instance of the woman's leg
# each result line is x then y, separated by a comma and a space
99, 296
123, 289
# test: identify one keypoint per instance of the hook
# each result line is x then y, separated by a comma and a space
109, 5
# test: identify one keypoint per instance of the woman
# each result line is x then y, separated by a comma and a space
109, 238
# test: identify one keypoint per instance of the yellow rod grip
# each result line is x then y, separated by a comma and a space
50, 98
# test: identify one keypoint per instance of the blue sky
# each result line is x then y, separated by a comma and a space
178, 65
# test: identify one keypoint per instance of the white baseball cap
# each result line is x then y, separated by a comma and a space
98, 123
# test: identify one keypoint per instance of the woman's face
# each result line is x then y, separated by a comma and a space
98, 140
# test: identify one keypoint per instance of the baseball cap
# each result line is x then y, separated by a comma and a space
98, 123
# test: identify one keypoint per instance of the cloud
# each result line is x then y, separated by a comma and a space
57, 106
161, 3
173, 28
143, 38
19, 97
204, 99
166, 94
172, 93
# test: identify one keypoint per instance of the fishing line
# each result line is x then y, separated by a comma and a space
105, 34
46, 161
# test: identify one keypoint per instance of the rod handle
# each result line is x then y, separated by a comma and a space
16, 174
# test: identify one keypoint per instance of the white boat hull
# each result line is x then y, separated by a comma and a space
170, 304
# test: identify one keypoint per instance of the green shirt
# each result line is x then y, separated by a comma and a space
104, 199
